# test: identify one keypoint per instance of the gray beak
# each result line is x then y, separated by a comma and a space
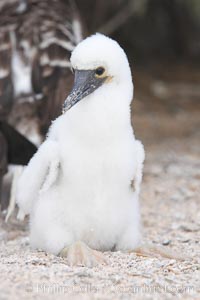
85, 82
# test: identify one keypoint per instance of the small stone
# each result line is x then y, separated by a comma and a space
166, 242
185, 241
190, 228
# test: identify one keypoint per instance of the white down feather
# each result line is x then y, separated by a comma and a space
78, 184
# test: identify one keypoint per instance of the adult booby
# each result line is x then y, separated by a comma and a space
36, 39
81, 188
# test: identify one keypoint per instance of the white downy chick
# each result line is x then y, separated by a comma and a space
81, 188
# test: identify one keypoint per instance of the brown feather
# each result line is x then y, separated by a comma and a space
40, 34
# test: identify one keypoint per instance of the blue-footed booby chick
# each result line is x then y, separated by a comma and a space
81, 188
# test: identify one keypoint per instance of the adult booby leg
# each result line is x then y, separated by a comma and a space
16, 174
3, 167
79, 254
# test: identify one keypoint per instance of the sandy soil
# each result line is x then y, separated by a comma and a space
170, 209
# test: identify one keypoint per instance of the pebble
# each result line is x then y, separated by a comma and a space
166, 242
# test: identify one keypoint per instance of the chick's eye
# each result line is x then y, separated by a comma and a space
99, 71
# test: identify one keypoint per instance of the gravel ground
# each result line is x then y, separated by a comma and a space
171, 217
